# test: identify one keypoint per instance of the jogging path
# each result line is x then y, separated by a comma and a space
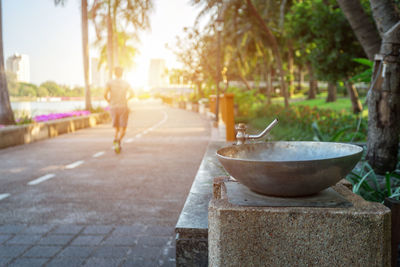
71, 201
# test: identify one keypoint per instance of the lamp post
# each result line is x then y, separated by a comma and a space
219, 26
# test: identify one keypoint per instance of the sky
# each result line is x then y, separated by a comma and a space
51, 37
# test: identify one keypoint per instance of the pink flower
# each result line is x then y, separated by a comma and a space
55, 116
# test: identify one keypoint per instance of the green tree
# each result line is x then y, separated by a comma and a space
27, 89
323, 35
12, 83
126, 51
363, 26
197, 52
53, 88
42, 91
247, 25
6, 113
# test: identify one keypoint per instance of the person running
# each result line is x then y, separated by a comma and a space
118, 93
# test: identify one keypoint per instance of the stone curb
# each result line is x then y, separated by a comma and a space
25, 134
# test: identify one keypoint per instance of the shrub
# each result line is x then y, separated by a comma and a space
372, 187
311, 123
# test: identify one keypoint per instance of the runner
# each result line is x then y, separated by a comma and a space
118, 93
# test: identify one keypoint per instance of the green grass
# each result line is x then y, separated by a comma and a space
283, 132
341, 104
335, 121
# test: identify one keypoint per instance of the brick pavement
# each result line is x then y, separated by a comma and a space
86, 245
111, 210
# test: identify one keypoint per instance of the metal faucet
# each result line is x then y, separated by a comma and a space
242, 136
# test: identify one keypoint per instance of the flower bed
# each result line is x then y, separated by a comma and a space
56, 116
49, 117
49, 126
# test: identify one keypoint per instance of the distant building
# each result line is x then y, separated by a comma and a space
19, 64
157, 73
98, 76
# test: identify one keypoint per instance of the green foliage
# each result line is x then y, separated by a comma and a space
127, 19
308, 123
27, 89
144, 95
340, 105
46, 89
53, 88
366, 74
12, 83
98, 109
347, 133
42, 91
22, 117
373, 188
247, 101
324, 37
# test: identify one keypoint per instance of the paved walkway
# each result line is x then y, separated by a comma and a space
70, 201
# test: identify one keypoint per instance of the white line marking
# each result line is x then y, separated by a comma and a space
42, 179
3, 196
74, 165
98, 154
152, 128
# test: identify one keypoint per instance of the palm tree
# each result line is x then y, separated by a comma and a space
6, 113
123, 51
85, 53
85, 49
253, 19
132, 16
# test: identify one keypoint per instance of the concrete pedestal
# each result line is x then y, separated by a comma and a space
358, 235
192, 226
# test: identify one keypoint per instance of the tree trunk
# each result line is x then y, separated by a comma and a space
384, 98
311, 82
301, 78
6, 113
245, 82
267, 88
331, 92
362, 26
275, 50
290, 68
110, 50
85, 48
355, 100
200, 90
385, 16
115, 36
384, 106
270, 85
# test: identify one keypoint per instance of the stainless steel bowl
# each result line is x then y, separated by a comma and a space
289, 169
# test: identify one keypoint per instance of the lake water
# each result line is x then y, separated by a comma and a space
40, 108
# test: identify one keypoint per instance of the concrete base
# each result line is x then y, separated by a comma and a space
298, 236
192, 226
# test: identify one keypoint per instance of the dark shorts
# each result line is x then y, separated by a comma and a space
119, 116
